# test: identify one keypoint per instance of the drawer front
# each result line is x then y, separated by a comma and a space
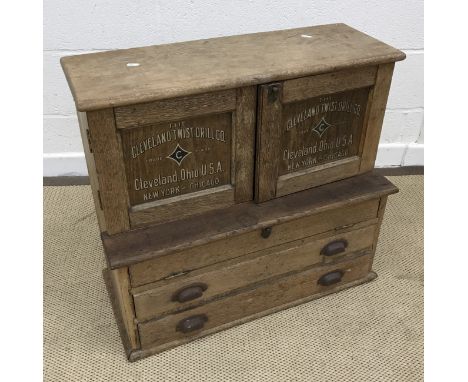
235, 246
318, 129
153, 299
252, 301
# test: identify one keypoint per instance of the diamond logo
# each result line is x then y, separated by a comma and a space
178, 155
321, 127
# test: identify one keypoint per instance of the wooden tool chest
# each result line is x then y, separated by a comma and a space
177, 281
232, 176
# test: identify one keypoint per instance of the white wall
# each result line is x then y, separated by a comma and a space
79, 26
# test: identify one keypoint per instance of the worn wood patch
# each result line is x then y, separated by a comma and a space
176, 158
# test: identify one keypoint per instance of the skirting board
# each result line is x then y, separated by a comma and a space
84, 180
64, 164
389, 155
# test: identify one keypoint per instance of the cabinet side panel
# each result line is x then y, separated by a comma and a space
93, 180
376, 114
110, 169
380, 214
119, 287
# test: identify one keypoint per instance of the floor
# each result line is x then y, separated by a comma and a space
373, 332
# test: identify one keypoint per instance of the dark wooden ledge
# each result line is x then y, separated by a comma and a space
143, 244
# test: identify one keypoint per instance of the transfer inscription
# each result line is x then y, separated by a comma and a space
170, 159
322, 129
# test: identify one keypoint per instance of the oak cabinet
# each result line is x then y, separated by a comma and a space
232, 177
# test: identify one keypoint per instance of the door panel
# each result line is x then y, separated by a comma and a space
316, 130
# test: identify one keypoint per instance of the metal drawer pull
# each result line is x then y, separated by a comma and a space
330, 278
190, 292
266, 232
190, 324
334, 247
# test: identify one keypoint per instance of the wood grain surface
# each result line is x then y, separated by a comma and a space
175, 109
91, 165
120, 293
101, 80
268, 141
380, 213
323, 84
110, 170
376, 114
244, 143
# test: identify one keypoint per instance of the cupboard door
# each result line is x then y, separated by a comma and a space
169, 159
188, 155
319, 129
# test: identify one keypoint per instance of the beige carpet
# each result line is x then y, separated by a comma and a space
373, 332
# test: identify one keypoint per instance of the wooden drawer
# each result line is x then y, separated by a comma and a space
250, 301
180, 293
183, 262
319, 129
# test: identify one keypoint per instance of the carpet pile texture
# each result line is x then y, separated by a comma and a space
373, 332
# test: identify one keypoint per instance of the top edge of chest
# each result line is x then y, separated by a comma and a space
137, 75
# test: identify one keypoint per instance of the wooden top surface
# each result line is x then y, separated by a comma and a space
101, 80
134, 246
